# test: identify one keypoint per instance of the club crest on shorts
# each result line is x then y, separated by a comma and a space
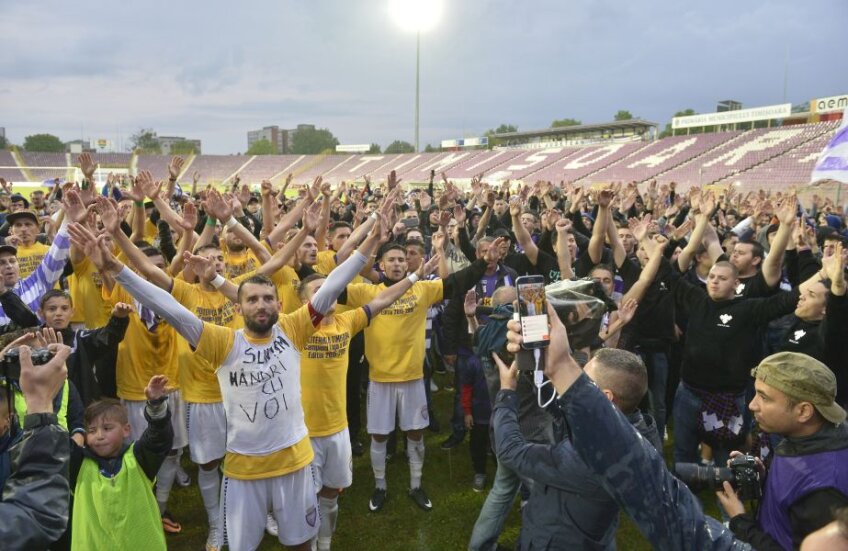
311, 516
424, 413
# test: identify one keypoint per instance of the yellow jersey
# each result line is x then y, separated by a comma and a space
86, 288
323, 372
149, 348
239, 263
29, 258
394, 341
198, 383
260, 387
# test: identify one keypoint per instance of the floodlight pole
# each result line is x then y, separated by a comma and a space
417, 82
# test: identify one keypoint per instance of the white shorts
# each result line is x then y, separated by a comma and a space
135, 411
333, 462
406, 399
291, 498
207, 431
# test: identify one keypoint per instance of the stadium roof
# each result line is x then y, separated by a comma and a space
614, 125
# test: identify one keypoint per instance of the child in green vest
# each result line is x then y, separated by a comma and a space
114, 506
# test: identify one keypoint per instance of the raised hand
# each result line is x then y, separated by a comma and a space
514, 206
216, 206
46, 336
469, 305
266, 188
563, 225
122, 310
459, 215
87, 166
312, 217
428, 267
627, 310
75, 210
195, 177
243, 194
493, 253
41, 383
156, 388
175, 166
426, 201
708, 202
834, 265
788, 210
235, 203
444, 218
605, 198
202, 267
438, 241
94, 248
640, 229
683, 230
134, 191
188, 221
107, 209
148, 185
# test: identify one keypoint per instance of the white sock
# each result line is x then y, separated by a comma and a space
210, 490
164, 480
415, 449
378, 462
329, 508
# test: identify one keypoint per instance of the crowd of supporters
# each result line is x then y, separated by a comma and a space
242, 327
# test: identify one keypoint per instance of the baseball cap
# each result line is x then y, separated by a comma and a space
8, 249
21, 214
501, 232
17, 197
804, 379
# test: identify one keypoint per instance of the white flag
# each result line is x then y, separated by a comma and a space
833, 162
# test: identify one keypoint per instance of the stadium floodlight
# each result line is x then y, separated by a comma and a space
417, 16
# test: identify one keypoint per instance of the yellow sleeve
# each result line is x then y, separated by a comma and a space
277, 277
298, 326
215, 344
184, 293
360, 294
355, 320
432, 291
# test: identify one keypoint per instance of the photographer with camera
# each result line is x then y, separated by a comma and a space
808, 476
35, 497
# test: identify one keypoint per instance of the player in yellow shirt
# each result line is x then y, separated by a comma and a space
394, 347
323, 378
205, 417
268, 452
23, 226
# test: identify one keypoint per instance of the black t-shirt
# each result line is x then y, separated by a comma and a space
755, 287
546, 265
583, 265
653, 323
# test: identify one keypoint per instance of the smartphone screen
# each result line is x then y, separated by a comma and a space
533, 311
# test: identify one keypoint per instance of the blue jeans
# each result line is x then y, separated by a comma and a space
492, 517
657, 364
687, 435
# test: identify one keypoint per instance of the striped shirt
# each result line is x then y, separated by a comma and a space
45, 276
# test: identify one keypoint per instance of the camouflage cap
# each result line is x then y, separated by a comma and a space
804, 379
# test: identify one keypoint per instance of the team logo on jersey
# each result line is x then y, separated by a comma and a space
311, 516
740, 288
799, 334
725, 319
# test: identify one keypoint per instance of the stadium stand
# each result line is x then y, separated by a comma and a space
660, 156
266, 167
791, 168
9, 172
157, 165
48, 165
214, 168
581, 163
782, 155
745, 151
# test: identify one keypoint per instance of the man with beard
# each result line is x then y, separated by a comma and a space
258, 368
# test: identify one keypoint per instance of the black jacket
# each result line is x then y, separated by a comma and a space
91, 366
35, 498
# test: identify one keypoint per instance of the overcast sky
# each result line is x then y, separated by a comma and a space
214, 70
